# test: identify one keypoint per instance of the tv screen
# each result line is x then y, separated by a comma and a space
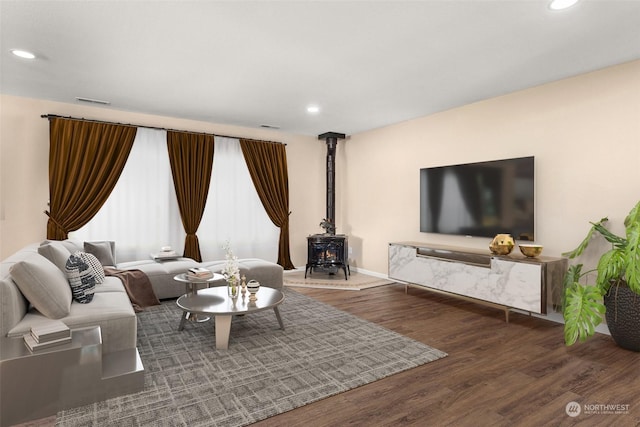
479, 199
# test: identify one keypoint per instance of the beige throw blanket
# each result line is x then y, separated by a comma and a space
138, 287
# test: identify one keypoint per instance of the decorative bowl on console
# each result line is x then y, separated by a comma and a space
530, 250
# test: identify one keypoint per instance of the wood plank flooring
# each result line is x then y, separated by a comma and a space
497, 374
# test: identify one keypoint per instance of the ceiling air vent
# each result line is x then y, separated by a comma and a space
92, 101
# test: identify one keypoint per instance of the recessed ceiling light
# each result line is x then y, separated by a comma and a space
313, 109
561, 4
23, 54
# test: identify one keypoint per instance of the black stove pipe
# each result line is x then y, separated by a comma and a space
331, 139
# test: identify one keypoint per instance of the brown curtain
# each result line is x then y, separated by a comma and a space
267, 163
85, 162
191, 157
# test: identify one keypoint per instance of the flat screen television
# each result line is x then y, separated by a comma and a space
479, 199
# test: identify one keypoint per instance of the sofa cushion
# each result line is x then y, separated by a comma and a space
81, 279
104, 251
94, 265
43, 284
71, 245
56, 252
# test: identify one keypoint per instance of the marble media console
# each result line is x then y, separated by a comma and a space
507, 282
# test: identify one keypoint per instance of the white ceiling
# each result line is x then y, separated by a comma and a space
366, 64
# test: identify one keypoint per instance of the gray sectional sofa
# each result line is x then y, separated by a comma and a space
32, 291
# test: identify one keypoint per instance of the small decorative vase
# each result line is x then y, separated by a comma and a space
253, 286
502, 244
233, 288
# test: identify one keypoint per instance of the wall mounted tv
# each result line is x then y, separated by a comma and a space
479, 199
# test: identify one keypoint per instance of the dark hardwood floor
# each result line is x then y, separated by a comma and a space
496, 374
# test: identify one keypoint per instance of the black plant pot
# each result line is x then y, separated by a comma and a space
623, 316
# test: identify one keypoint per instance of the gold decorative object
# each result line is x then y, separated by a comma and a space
530, 250
502, 244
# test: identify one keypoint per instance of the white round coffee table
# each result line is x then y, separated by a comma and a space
191, 288
217, 302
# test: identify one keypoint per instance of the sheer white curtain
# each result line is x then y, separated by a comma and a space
234, 211
141, 214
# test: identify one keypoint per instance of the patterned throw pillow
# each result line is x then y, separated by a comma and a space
81, 279
94, 265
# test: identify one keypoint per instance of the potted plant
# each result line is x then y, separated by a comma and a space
615, 294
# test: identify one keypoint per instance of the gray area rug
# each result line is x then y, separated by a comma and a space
266, 371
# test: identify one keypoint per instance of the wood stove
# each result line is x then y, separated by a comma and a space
329, 251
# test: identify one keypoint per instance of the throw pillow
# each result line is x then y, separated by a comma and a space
55, 252
81, 279
71, 245
43, 284
104, 251
94, 265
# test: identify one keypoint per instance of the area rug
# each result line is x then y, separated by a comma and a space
356, 281
266, 371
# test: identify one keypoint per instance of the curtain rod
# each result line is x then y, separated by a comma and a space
55, 116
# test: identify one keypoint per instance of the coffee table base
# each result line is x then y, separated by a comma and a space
216, 303
223, 328
192, 317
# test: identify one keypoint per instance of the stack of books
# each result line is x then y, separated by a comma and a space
199, 273
47, 336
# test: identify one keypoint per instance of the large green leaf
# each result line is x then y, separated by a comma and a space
614, 239
583, 311
583, 245
573, 275
633, 219
632, 255
611, 266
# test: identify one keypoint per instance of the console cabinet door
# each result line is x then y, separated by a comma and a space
516, 284
445, 275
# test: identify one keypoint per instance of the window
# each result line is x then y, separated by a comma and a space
141, 215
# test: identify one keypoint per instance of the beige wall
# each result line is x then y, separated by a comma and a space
584, 133
24, 151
